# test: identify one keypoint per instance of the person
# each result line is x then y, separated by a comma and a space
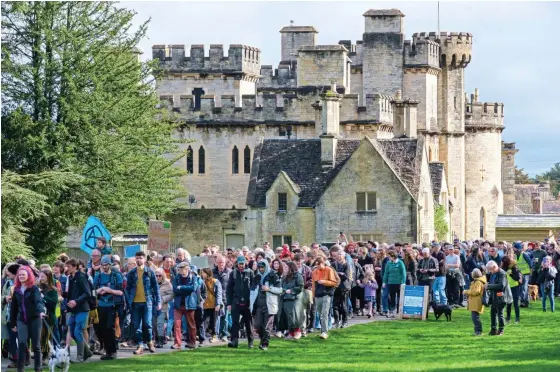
306, 298
50, 298
340, 298
109, 289
142, 293
440, 280
538, 255
394, 276
474, 302
186, 285
324, 282
514, 278
369, 284
292, 287
238, 301
453, 264
500, 296
78, 300
545, 279
101, 245
426, 272
213, 304
10, 272
166, 294
524, 264
269, 288
222, 273
27, 309
411, 268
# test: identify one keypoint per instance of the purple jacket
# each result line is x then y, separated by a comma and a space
370, 288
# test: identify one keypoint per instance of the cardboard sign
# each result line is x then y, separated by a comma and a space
159, 236
413, 302
130, 250
200, 262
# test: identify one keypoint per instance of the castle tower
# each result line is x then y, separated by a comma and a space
293, 38
455, 54
508, 176
382, 51
484, 124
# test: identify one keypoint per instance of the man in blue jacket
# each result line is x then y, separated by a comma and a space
143, 297
186, 288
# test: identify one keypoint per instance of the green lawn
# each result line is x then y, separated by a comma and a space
533, 345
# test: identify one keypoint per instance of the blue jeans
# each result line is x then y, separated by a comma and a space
222, 324
142, 322
439, 290
385, 299
78, 322
550, 296
524, 289
170, 321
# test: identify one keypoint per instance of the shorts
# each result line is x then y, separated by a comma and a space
369, 299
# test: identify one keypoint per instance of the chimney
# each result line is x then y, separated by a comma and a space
537, 203
404, 117
330, 123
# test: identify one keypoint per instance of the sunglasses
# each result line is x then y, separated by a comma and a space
159, 276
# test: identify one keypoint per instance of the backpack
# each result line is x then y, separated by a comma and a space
485, 296
92, 299
117, 300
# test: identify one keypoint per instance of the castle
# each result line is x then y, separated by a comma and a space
366, 138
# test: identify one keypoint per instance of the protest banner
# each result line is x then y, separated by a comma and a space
159, 236
93, 229
413, 302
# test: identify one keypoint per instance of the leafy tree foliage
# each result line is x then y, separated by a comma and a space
521, 177
77, 99
440, 222
553, 176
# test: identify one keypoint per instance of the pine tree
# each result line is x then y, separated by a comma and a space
77, 99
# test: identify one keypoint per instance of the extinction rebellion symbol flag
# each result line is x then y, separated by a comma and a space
94, 229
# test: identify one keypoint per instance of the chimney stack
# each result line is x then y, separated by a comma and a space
537, 203
330, 123
405, 119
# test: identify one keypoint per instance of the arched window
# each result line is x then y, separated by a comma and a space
201, 160
190, 160
247, 160
482, 223
235, 160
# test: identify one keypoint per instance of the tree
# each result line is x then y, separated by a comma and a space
521, 177
77, 99
440, 222
553, 176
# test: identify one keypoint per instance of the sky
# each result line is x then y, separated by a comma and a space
515, 49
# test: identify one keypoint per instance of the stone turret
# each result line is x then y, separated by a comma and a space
508, 176
404, 117
295, 37
330, 122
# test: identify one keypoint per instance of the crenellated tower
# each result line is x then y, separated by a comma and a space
484, 123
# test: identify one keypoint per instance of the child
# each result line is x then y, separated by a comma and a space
475, 305
370, 286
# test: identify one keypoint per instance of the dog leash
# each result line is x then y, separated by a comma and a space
56, 342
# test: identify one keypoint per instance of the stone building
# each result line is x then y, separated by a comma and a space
366, 137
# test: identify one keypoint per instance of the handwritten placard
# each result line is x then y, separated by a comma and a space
159, 236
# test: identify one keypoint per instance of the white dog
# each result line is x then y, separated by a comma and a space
60, 357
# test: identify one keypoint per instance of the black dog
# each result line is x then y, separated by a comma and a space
441, 309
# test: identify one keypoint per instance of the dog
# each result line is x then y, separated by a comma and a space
533, 292
59, 358
441, 309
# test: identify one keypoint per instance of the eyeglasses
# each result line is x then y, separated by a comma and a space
159, 276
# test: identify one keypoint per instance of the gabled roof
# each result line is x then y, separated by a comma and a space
528, 221
300, 160
292, 184
436, 176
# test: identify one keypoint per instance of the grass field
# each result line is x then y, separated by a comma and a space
533, 345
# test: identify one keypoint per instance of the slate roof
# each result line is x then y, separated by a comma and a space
301, 161
528, 221
436, 176
551, 207
405, 156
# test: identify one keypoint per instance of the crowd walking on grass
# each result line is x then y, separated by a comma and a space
155, 300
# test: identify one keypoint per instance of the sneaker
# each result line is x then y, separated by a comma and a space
279, 334
369, 316
250, 345
493, 333
289, 337
263, 347
297, 335
324, 335
500, 333
304, 333
109, 357
344, 325
151, 347
311, 330
224, 339
213, 339
139, 350
176, 347
516, 321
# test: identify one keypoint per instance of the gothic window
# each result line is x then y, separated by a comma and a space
190, 160
247, 160
482, 223
201, 160
235, 160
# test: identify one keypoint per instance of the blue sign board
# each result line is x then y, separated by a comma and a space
413, 301
130, 250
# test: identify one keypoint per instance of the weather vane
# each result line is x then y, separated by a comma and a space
291, 22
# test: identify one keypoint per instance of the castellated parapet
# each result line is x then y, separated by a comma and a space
294, 108
421, 53
240, 58
484, 115
455, 47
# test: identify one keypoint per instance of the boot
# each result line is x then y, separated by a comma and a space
151, 347
79, 352
87, 352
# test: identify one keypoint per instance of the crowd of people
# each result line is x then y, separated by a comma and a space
153, 299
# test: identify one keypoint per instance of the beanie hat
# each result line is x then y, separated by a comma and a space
13, 269
517, 245
106, 260
241, 260
285, 252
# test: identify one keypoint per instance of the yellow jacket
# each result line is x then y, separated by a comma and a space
475, 295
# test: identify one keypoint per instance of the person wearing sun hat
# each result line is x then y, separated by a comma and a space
239, 301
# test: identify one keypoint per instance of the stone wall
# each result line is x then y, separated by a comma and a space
508, 176
193, 229
366, 171
420, 84
452, 154
383, 61
320, 65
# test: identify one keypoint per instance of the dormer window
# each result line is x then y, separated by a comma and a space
282, 202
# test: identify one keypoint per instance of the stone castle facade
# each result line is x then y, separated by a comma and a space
300, 151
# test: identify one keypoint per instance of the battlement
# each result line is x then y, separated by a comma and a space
455, 47
421, 52
484, 114
282, 77
293, 108
240, 58
354, 51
